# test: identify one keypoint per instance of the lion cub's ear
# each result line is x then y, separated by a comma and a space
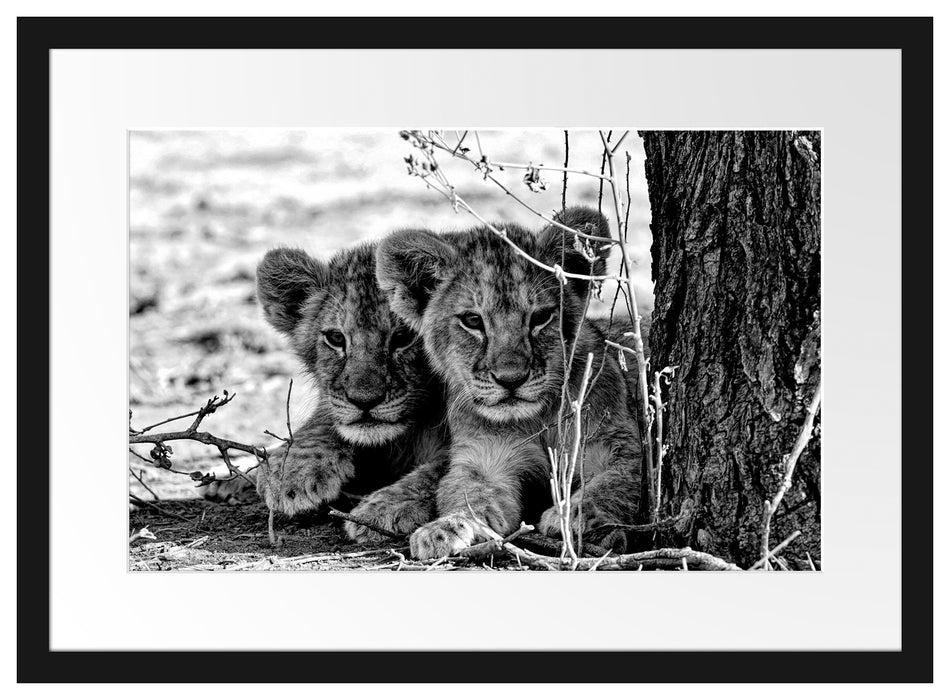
409, 266
583, 256
286, 279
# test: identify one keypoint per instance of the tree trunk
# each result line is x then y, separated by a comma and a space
736, 262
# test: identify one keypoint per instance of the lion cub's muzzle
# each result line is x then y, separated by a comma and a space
376, 422
508, 389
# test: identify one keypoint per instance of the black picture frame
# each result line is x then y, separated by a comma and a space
913, 37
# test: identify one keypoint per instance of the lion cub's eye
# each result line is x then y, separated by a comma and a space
335, 339
541, 317
401, 338
472, 320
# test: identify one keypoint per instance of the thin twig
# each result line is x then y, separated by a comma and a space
558, 271
527, 166
790, 461
603, 167
149, 504
366, 523
271, 534
206, 438
549, 545
660, 558
160, 453
634, 313
138, 477
484, 550
627, 350
567, 151
619, 141
667, 524
657, 399
484, 166
770, 555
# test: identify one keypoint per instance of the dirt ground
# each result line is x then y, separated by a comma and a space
204, 208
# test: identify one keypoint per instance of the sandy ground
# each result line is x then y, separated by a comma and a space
204, 208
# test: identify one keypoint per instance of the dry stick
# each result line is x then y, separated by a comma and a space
170, 514
222, 444
565, 506
484, 550
558, 271
365, 523
191, 433
154, 463
666, 372
633, 312
487, 165
271, 535
555, 457
563, 494
666, 524
603, 165
549, 545
668, 557
790, 461
459, 144
577, 410
616, 147
567, 151
523, 166
658, 422
771, 555
138, 478
550, 220
184, 415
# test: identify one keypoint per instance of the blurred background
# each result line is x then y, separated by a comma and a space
204, 207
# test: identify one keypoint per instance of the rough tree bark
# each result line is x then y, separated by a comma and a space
736, 262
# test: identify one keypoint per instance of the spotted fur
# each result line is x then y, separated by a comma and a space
504, 374
379, 416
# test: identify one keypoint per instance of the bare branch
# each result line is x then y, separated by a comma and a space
366, 523
790, 461
161, 452
771, 555
633, 311
138, 477
288, 443
567, 151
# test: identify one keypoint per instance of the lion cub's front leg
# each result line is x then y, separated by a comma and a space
480, 494
317, 466
400, 507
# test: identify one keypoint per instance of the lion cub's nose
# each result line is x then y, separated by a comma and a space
511, 378
365, 400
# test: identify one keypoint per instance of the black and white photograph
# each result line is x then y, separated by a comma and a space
505, 350
619, 315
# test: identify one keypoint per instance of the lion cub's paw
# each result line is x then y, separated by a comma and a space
399, 513
586, 520
443, 537
549, 524
305, 484
233, 491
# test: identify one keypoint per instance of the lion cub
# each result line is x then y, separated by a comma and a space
492, 323
379, 415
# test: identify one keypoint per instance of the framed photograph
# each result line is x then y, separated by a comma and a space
575, 341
